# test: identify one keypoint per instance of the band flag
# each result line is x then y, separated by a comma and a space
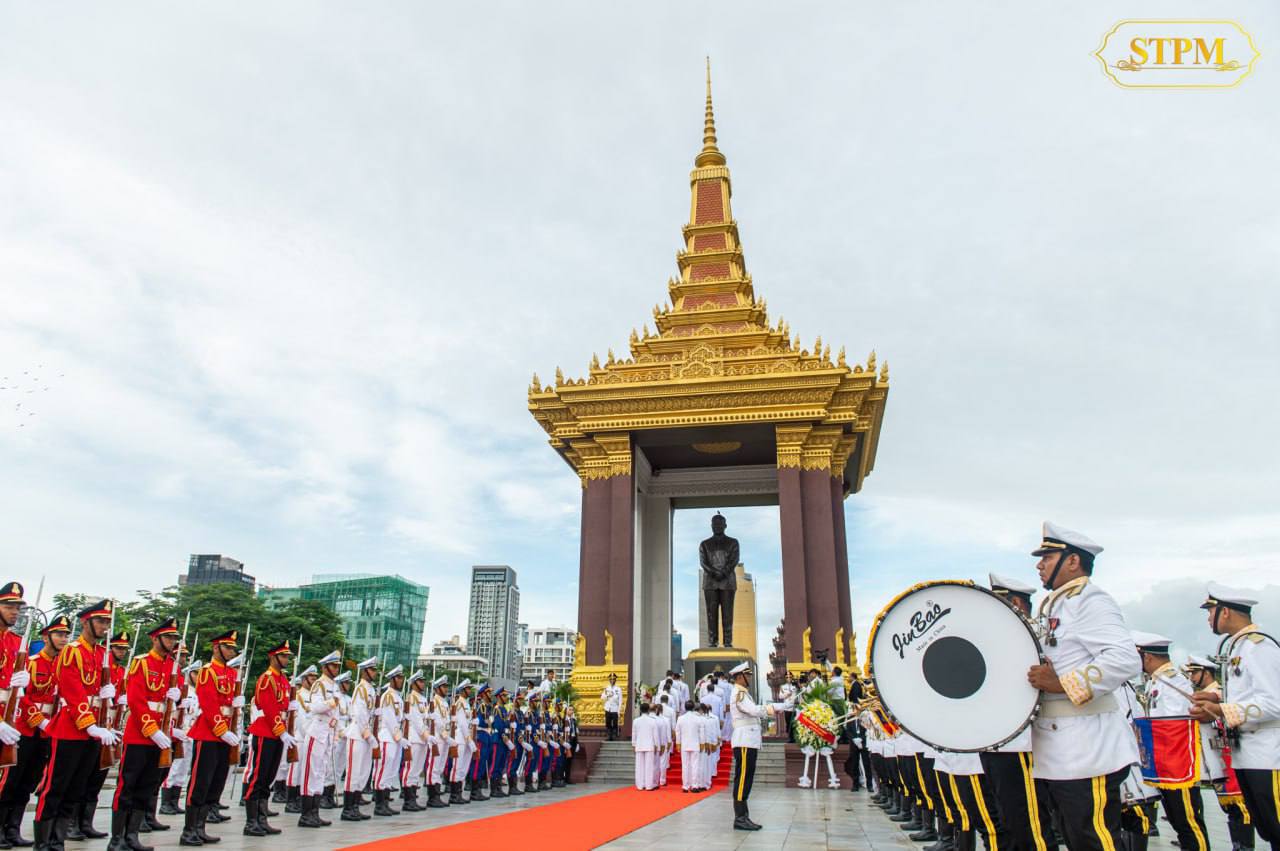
1169, 749
817, 729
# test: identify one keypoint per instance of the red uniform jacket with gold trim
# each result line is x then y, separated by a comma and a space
271, 696
78, 673
40, 698
215, 689
148, 681
10, 644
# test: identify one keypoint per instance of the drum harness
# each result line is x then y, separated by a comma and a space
1231, 735
1045, 627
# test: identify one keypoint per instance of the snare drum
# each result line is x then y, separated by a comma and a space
949, 660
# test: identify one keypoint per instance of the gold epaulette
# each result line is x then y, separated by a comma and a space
1255, 637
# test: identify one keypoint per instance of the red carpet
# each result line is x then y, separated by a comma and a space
588, 821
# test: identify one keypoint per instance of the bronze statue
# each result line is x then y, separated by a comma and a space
719, 557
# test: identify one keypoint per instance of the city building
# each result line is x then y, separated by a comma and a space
493, 619
548, 649
210, 569
522, 638
381, 615
677, 650
434, 664
744, 615
451, 646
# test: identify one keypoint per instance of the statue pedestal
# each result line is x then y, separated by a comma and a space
704, 660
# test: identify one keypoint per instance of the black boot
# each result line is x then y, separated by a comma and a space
213, 813
349, 810
906, 814
315, 812
278, 792
73, 832
927, 832
382, 803
169, 801
12, 827
326, 801
455, 793
202, 818
43, 834
149, 816
740, 819
411, 804
966, 840
946, 835
251, 826
495, 788
433, 797
292, 803
190, 823
134, 819
893, 805
119, 825
307, 819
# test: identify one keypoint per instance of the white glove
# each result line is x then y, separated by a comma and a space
173, 694
179, 735
237, 701
107, 692
122, 700
161, 740
527, 746
406, 743
294, 706
8, 735
190, 703
19, 679
288, 740
231, 738
102, 734
44, 725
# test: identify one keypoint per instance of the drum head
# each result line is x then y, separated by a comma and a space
950, 663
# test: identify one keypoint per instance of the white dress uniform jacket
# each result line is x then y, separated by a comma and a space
1083, 733
1251, 698
611, 697
745, 716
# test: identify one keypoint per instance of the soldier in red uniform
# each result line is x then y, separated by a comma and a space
81, 826
213, 736
34, 714
77, 736
147, 690
270, 736
11, 604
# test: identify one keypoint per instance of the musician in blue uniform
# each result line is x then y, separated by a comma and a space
499, 748
517, 736
533, 726
484, 744
548, 738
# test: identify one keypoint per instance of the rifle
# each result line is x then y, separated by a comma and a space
117, 711
180, 748
242, 680
292, 716
106, 755
377, 699
166, 721
9, 753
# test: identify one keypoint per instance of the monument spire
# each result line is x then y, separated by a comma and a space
710, 154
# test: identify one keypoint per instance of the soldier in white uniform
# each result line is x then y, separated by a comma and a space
464, 741
391, 743
644, 741
439, 723
337, 768
293, 771
415, 761
1168, 695
180, 768
1081, 743
715, 712
360, 738
1139, 800
611, 700
1024, 811
1249, 705
691, 739
1202, 672
746, 741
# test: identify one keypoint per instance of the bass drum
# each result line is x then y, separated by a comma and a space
949, 661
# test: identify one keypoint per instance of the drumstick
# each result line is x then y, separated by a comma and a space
1170, 684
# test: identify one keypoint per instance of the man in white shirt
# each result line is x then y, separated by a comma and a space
690, 735
681, 693
746, 741
1081, 743
669, 721
611, 698
644, 743
664, 737
715, 712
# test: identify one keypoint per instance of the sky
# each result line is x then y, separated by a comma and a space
286, 272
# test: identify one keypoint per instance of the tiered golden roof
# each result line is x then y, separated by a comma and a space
716, 359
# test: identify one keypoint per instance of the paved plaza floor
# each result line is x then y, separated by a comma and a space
791, 819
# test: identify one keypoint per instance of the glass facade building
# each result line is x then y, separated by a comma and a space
207, 569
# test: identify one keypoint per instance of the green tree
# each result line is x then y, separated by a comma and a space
319, 627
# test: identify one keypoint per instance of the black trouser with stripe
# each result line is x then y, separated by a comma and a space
1185, 809
209, 766
910, 783
1090, 809
1261, 790
140, 776
260, 771
974, 796
19, 780
1239, 825
1021, 799
744, 771
67, 777
927, 781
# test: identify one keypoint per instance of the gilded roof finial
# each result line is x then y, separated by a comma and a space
710, 154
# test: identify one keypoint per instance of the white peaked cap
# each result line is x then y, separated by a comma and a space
1055, 538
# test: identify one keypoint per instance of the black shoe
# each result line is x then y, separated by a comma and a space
292, 803
148, 817
495, 788
349, 810
190, 835
131, 840
924, 834
513, 786
278, 792
201, 818
744, 823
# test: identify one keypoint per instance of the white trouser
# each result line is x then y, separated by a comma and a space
386, 774
309, 771
645, 763
336, 766
658, 761
282, 771
462, 764
689, 773
359, 763
411, 769
435, 764
179, 769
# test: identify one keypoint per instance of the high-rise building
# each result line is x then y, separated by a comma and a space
548, 649
493, 620
522, 637
209, 569
677, 650
744, 615
381, 615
